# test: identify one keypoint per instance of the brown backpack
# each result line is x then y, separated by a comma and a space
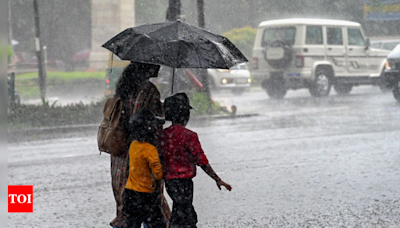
111, 137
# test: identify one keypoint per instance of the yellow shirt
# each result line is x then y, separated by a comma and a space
144, 167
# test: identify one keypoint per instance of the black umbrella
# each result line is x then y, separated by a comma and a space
175, 44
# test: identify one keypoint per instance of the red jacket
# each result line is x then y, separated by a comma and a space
182, 152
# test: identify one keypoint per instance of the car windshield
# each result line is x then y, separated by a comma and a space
390, 45
286, 34
395, 54
239, 67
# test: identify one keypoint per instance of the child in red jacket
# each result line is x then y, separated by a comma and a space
182, 151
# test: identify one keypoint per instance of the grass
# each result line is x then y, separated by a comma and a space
27, 85
64, 76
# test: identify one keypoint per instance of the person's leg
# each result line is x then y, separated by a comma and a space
119, 177
181, 193
134, 209
154, 218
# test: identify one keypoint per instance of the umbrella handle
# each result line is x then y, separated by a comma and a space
172, 83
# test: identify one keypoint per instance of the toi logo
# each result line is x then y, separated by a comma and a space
20, 198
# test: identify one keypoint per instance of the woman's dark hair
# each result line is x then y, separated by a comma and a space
131, 77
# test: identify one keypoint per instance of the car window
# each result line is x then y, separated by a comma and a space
355, 37
376, 44
286, 34
390, 45
314, 35
239, 67
334, 36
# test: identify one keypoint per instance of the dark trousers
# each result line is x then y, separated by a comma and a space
181, 192
142, 207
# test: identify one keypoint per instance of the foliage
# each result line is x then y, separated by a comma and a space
46, 115
47, 103
202, 103
25, 116
242, 38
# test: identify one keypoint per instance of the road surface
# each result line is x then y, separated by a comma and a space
301, 162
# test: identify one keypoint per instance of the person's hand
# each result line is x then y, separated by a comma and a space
226, 185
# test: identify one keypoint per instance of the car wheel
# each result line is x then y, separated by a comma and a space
322, 84
343, 89
396, 93
275, 90
382, 85
237, 91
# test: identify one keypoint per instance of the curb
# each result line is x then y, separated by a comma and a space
37, 133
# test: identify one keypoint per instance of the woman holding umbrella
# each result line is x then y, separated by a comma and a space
175, 44
137, 93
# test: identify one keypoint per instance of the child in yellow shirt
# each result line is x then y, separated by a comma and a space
140, 201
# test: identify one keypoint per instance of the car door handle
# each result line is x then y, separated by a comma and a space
350, 49
329, 49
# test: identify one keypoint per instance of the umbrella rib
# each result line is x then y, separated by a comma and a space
198, 56
219, 51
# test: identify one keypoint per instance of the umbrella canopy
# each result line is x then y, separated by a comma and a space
175, 44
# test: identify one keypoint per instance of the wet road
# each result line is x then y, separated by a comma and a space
301, 162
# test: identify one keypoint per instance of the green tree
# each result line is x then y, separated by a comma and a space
243, 39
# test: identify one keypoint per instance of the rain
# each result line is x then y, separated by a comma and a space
295, 105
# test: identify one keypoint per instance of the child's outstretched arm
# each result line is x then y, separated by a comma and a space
209, 170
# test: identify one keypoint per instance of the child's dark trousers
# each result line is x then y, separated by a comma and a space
181, 192
142, 207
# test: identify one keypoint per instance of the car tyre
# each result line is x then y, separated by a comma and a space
382, 85
321, 86
275, 90
343, 89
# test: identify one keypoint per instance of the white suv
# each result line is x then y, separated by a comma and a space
314, 54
